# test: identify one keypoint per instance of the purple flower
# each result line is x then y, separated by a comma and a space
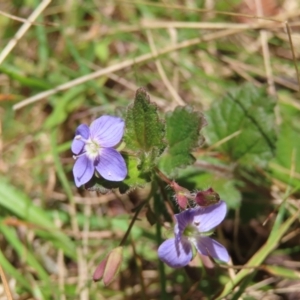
192, 229
93, 149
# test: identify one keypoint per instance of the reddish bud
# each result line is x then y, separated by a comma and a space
206, 198
109, 267
100, 270
182, 201
181, 194
113, 265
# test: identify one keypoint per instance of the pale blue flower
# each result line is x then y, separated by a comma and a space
94, 150
191, 230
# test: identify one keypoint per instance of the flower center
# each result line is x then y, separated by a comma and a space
190, 231
92, 148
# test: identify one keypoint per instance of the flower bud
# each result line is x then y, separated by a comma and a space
206, 198
182, 200
113, 265
100, 270
109, 268
181, 194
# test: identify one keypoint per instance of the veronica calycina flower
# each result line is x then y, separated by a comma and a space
94, 150
191, 230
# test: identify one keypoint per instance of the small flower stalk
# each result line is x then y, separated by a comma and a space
192, 230
94, 150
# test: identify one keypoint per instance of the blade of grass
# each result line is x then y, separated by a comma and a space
5, 284
84, 69
60, 112
293, 52
282, 272
25, 254
26, 81
10, 269
20, 205
43, 47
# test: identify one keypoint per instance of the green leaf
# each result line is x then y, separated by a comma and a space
135, 176
246, 117
144, 129
183, 127
286, 166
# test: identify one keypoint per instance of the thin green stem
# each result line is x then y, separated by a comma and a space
140, 273
138, 209
161, 267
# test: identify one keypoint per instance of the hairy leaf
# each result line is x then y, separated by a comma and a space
183, 127
144, 129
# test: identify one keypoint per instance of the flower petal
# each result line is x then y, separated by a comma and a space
175, 254
210, 247
207, 218
77, 145
83, 130
83, 170
111, 165
107, 130
183, 220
